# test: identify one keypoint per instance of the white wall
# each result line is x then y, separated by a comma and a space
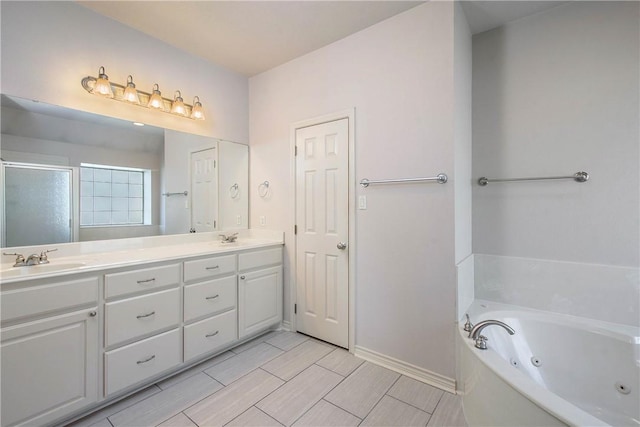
398, 75
48, 47
553, 94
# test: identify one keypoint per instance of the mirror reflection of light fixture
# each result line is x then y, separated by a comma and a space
128, 93
197, 112
102, 86
178, 105
155, 101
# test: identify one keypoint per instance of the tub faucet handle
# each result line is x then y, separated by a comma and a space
468, 326
481, 342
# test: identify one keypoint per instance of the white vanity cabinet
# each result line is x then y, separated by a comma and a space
76, 341
210, 299
259, 290
49, 357
142, 335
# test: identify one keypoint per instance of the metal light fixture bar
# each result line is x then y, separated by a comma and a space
89, 82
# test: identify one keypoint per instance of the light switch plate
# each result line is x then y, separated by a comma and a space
362, 202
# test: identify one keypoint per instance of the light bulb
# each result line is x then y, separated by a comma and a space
155, 101
130, 93
102, 86
177, 107
197, 112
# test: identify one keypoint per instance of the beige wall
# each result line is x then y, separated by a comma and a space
48, 47
398, 75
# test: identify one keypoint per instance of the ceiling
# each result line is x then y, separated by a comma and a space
254, 36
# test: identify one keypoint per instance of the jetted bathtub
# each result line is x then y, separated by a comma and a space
556, 370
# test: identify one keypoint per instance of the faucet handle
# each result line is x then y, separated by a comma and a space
468, 326
43, 255
481, 342
19, 258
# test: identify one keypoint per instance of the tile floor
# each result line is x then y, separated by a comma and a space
283, 378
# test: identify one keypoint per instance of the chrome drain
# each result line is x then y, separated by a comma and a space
536, 361
514, 362
622, 388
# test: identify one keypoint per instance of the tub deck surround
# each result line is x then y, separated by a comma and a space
556, 370
71, 258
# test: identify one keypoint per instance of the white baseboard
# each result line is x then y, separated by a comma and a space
285, 325
404, 368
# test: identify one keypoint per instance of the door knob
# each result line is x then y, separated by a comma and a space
342, 246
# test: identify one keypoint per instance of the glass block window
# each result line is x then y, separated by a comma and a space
111, 196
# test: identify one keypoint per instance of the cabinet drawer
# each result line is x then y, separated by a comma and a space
209, 267
35, 300
135, 362
209, 297
261, 258
134, 317
210, 334
129, 282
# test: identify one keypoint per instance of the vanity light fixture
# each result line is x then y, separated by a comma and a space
128, 93
178, 105
102, 86
156, 98
197, 112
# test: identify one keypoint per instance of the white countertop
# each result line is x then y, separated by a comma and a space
72, 258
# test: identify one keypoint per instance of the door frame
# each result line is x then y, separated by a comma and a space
344, 114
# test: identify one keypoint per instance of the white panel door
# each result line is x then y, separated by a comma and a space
204, 194
322, 219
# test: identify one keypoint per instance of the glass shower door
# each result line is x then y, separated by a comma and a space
38, 204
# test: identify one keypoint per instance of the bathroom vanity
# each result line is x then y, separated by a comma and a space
97, 324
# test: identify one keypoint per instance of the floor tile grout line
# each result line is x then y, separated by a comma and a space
285, 350
381, 397
411, 404
127, 407
189, 418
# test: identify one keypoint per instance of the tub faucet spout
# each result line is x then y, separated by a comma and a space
475, 333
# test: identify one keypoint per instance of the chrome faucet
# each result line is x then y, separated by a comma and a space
33, 259
481, 340
229, 238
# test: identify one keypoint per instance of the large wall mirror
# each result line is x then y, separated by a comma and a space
69, 175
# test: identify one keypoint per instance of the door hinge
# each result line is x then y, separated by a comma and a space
214, 164
295, 308
295, 150
214, 224
295, 229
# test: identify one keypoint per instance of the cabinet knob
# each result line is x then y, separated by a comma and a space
242, 277
93, 313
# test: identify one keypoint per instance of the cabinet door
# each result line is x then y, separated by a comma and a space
49, 368
259, 300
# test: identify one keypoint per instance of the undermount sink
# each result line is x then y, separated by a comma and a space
11, 272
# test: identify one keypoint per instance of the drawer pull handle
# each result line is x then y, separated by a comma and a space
153, 279
213, 297
212, 335
212, 268
140, 362
142, 316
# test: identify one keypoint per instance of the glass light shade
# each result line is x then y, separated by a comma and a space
130, 93
102, 86
155, 101
197, 112
177, 107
